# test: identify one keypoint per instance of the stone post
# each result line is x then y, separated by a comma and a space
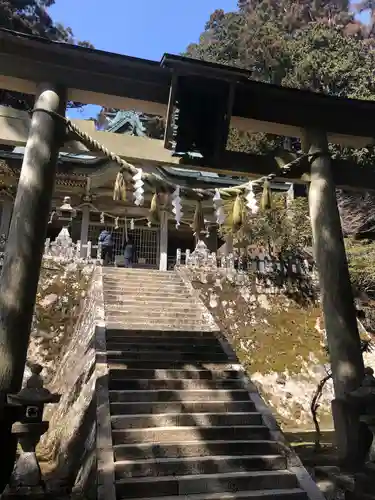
84, 229
178, 257
163, 266
336, 291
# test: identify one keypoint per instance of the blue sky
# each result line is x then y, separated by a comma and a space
140, 28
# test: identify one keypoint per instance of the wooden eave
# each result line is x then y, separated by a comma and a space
114, 80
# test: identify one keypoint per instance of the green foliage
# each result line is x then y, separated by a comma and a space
31, 17
306, 44
283, 229
361, 260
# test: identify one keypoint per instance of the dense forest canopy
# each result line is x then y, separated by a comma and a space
31, 17
318, 45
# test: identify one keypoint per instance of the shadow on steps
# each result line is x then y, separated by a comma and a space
183, 423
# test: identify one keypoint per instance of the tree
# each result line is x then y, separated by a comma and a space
31, 17
284, 228
311, 44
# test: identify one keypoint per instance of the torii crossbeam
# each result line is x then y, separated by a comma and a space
57, 72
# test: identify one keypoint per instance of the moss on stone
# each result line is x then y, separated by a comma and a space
275, 338
282, 338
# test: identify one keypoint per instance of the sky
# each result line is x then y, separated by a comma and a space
139, 28
146, 29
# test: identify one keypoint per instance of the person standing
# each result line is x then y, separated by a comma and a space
105, 239
129, 252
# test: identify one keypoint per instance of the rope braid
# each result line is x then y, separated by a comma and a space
193, 193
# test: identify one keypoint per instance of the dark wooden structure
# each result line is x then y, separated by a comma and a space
28, 64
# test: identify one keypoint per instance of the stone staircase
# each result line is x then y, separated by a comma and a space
183, 422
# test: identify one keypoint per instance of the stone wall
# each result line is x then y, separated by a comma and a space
276, 332
67, 450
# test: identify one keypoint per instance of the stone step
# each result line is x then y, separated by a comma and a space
162, 396
151, 301
152, 487
125, 332
124, 357
160, 374
148, 314
168, 365
131, 280
186, 419
123, 273
114, 325
147, 311
146, 286
172, 384
191, 433
197, 465
148, 294
165, 322
176, 407
142, 340
147, 289
154, 305
278, 494
164, 297
123, 345
237, 448
136, 270
139, 297
160, 348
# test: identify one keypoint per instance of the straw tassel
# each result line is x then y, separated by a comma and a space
119, 190
154, 216
238, 213
266, 200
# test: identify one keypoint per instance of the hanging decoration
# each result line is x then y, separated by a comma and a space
251, 202
119, 190
138, 188
138, 178
53, 217
207, 224
238, 213
116, 223
198, 221
290, 196
266, 200
177, 207
102, 218
219, 208
154, 215
131, 224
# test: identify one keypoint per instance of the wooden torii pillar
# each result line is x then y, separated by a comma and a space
336, 292
24, 251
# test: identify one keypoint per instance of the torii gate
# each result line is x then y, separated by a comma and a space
203, 93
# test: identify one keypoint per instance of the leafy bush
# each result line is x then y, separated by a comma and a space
282, 229
361, 260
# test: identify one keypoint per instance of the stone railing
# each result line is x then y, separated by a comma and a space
63, 249
259, 262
